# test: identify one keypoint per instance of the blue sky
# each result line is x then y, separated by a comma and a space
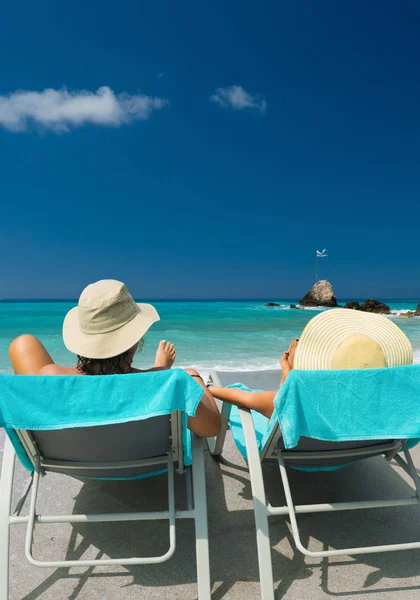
227, 142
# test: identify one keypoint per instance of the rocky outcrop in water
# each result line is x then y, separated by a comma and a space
322, 294
295, 307
374, 306
272, 304
353, 305
412, 313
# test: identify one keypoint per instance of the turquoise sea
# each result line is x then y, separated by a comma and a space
229, 335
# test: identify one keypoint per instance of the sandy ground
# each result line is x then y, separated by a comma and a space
233, 556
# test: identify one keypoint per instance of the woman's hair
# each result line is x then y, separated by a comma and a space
116, 365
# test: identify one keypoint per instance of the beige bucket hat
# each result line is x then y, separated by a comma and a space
106, 322
350, 339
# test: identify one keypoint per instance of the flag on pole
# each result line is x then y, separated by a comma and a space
322, 254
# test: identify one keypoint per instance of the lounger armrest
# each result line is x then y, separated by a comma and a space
216, 444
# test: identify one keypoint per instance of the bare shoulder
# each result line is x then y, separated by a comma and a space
58, 370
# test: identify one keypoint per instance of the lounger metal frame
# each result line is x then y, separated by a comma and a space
263, 509
196, 499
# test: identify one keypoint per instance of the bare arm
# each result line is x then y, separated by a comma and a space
262, 402
207, 421
259, 401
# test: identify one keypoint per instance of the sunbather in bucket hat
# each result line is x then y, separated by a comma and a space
335, 339
104, 331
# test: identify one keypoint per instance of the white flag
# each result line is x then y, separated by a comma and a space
322, 254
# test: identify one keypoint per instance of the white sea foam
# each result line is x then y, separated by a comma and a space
395, 313
265, 307
232, 366
287, 307
205, 369
399, 313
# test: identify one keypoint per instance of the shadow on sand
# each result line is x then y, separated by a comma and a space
232, 534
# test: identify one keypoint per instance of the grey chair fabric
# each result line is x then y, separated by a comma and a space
107, 443
312, 445
255, 380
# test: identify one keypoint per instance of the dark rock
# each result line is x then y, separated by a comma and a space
272, 304
295, 307
353, 305
322, 294
374, 306
412, 313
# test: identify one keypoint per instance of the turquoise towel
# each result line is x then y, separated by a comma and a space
263, 428
350, 405
59, 402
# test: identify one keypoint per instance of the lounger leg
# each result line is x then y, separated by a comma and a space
260, 506
6, 484
201, 530
216, 444
411, 468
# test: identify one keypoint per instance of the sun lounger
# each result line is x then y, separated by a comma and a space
112, 427
260, 440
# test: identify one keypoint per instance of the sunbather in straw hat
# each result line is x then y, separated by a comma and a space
105, 330
335, 339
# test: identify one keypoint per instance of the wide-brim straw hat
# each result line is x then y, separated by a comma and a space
349, 339
107, 321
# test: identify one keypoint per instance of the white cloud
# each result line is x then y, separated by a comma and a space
59, 110
237, 98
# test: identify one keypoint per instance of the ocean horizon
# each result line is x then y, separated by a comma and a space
291, 300
240, 335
